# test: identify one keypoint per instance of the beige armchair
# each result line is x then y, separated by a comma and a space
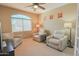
58, 40
40, 36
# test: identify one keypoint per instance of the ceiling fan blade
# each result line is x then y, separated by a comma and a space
41, 3
29, 6
41, 7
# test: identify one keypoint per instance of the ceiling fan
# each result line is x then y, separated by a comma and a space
37, 5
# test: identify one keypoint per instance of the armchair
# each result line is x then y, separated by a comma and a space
58, 40
40, 36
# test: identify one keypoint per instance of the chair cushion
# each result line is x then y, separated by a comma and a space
59, 34
36, 35
54, 41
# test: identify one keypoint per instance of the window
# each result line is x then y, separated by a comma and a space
21, 23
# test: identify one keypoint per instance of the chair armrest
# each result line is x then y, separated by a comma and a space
63, 43
35, 33
63, 38
48, 37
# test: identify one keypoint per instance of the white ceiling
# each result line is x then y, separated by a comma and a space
22, 6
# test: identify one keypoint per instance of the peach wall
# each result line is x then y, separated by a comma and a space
6, 12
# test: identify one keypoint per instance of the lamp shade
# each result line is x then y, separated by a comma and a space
37, 25
68, 25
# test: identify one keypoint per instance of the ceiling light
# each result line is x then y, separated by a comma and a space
35, 6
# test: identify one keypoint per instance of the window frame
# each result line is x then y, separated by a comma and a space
22, 22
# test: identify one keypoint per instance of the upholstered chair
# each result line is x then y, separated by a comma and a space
57, 40
40, 36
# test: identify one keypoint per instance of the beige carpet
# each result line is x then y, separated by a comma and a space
69, 51
29, 47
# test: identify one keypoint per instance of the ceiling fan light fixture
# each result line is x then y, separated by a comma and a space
35, 6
